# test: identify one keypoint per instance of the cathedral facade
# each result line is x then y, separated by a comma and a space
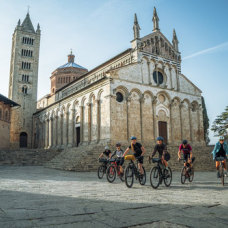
139, 92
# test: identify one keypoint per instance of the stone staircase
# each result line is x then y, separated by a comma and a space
85, 158
26, 156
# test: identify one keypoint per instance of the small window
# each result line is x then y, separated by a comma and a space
119, 97
158, 77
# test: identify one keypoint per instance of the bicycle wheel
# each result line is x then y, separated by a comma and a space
111, 173
101, 171
191, 175
121, 175
168, 177
142, 179
221, 171
155, 177
183, 175
129, 176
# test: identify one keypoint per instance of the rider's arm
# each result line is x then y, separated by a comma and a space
126, 151
101, 155
154, 152
143, 150
113, 154
190, 148
179, 154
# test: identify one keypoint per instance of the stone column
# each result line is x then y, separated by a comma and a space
181, 122
170, 121
61, 129
64, 129
178, 82
47, 134
156, 73
56, 131
89, 122
50, 135
71, 128
154, 102
127, 100
198, 123
149, 77
190, 122
201, 124
81, 123
44, 133
170, 75
141, 101
98, 120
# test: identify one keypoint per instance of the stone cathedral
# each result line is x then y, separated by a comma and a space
139, 92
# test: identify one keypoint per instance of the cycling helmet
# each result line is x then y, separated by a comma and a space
185, 142
118, 144
106, 148
133, 137
221, 138
159, 138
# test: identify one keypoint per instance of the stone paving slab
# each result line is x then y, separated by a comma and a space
42, 197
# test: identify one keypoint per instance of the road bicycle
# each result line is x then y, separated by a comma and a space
133, 171
221, 168
160, 173
112, 170
102, 168
187, 171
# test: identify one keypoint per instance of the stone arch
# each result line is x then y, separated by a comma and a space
123, 89
91, 96
136, 90
163, 108
164, 93
99, 94
83, 101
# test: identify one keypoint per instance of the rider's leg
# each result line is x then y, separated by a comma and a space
140, 168
164, 162
217, 165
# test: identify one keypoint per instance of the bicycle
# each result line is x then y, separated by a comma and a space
102, 168
221, 168
187, 171
132, 170
160, 173
112, 170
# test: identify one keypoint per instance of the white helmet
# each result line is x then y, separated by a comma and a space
106, 148
221, 138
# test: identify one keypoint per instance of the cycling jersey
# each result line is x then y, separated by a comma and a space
118, 153
185, 150
137, 149
221, 152
160, 149
107, 152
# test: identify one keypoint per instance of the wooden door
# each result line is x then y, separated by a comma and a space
23, 139
162, 128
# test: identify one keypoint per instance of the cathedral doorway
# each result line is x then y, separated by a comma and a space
162, 129
77, 135
23, 139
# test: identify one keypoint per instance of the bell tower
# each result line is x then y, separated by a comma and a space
23, 81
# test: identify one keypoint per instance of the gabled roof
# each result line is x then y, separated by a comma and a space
6, 100
27, 24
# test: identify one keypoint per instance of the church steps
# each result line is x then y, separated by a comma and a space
85, 158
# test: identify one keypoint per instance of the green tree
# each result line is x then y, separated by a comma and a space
205, 122
220, 125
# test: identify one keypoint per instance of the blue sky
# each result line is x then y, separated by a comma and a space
97, 30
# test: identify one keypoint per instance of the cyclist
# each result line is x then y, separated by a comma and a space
107, 153
187, 152
161, 148
138, 151
120, 159
220, 150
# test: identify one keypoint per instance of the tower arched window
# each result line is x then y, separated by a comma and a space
24, 89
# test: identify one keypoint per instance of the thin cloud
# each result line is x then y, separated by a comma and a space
205, 51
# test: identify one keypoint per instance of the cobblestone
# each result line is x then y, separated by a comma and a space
42, 197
